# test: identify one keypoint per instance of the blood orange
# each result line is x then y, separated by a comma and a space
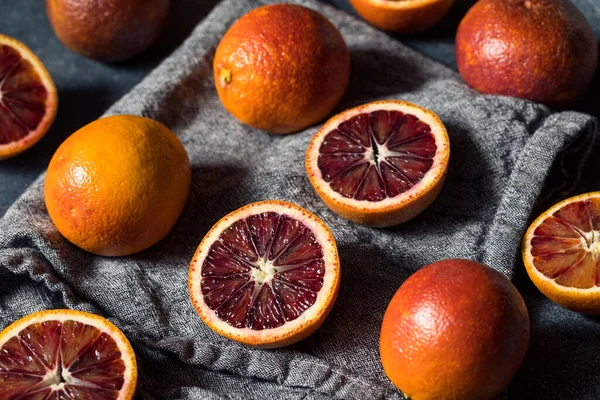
561, 252
281, 68
266, 275
65, 354
402, 16
541, 50
455, 330
125, 203
379, 164
28, 99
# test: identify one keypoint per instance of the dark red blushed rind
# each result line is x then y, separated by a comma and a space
107, 30
460, 313
510, 47
229, 288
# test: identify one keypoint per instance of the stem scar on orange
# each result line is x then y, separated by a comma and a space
281, 68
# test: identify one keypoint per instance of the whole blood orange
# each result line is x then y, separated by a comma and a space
65, 354
402, 16
455, 329
281, 68
118, 185
107, 30
28, 100
379, 164
540, 50
266, 275
561, 252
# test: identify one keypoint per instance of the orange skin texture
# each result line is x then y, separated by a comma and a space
540, 50
404, 16
455, 329
281, 68
118, 185
107, 30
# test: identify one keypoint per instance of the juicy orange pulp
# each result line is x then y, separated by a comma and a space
28, 100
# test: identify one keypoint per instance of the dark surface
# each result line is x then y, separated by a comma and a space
562, 362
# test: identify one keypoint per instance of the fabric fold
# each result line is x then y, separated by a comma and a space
502, 153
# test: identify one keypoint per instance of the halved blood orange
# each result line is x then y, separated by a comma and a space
65, 354
561, 253
379, 164
402, 16
28, 99
265, 275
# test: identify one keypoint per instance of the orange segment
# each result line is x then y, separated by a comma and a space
265, 275
28, 100
71, 354
379, 164
561, 252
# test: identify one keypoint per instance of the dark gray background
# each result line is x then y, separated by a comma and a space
563, 359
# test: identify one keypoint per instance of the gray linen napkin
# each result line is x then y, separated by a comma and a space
502, 152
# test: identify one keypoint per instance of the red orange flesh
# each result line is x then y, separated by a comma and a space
65, 354
379, 164
28, 100
561, 252
265, 275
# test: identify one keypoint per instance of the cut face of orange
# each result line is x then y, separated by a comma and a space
28, 100
379, 164
561, 252
65, 354
265, 275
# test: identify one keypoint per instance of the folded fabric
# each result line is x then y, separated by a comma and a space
502, 150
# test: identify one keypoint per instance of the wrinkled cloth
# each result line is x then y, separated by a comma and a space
503, 151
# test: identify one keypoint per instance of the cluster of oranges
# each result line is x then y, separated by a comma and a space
268, 274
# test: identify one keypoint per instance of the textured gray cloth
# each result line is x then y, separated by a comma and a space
502, 152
